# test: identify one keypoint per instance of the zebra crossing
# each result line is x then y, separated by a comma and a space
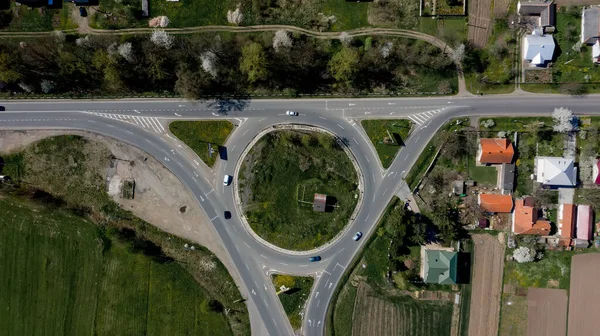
422, 117
148, 123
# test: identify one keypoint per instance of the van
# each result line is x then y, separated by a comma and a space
226, 180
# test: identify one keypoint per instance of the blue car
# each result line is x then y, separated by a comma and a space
315, 258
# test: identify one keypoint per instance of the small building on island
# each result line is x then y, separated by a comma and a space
320, 202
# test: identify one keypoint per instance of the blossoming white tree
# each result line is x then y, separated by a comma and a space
524, 254
209, 63
563, 120
162, 39
282, 40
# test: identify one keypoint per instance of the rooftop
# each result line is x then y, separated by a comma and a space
525, 218
497, 150
590, 24
556, 171
538, 48
495, 203
440, 267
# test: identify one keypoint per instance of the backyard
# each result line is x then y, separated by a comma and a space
294, 299
25, 19
279, 178
199, 134
387, 136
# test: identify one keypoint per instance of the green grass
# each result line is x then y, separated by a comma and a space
64, 275
198, 134
482, 174
344, 309
294, 299
190, 13
72, 169
350, 15
30, 19
553, 266
465, 295
511, 316
377, 130
281, 174
476, 87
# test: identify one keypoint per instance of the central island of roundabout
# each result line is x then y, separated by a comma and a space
298, 187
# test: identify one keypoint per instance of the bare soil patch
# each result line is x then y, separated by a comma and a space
480, 23
584, 302
547, 312
486, 285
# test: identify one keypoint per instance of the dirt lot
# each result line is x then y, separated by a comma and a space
584, 302
160, 199
547, 312
486, 284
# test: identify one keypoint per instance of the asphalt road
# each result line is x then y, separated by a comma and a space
143, 124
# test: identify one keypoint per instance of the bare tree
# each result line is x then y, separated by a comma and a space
386, 49
459, 53
46, 86
282, 40
345, 38
563, 120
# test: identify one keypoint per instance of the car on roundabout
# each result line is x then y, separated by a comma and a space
227, 214
314, 259
357, 236
291, 113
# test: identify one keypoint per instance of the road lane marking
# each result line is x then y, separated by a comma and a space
246, 244
330, 284
386, 189
262, 119
177, 114
266, 304
262, 255
355, 140
245, 132
212, 190
284, 264
366, 219
302, 265
317, 295
232, 148
367, 158
237, 248
318, 303
253, 292
266, 289
235, 228
130, 132
247, 266
212, 219
342, 127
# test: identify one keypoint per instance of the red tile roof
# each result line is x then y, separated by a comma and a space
495, 202
496, 151
525, 219
566, 222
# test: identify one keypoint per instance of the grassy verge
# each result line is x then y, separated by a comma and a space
554, 266
199, 134
294, 299
387, 136
465, 295
278, 179
70, 170
428, 154
512, 311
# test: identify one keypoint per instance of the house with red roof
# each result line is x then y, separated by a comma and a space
495, 203
495, 151
566, 224
525, 219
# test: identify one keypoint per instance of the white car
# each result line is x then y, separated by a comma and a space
291, 113
357, 236
226, 179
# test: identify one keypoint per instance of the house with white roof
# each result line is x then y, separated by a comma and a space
556, 171
590, 30
538, 49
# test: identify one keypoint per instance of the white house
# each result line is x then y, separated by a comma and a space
538, 49
556, 171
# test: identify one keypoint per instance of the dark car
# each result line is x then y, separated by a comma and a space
82, 11
315, 258
227, 215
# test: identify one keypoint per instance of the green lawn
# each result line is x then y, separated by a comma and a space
381, 129
198, 134
64, 275
511, 315
344, 309
294, 299
190, 13
350, 15
482, 174
279, 178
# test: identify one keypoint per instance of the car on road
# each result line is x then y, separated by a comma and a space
357, 236
226, 180
227, 214
291, 113
82, 12
315, 258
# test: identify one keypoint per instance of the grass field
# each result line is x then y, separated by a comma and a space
482, 174
279, 177
294, 299
554, 267
64, 275
513, 312
190, 13
71, 169
198, 134
377, 130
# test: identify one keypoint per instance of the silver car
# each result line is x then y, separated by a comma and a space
291, 113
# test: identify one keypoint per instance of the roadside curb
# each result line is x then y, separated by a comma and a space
238, 202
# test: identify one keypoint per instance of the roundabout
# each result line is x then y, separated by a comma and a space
278, 175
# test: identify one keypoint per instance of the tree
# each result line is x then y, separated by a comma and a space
282, 40
126, 51
162, 39
419, 233
345, 38
386, 49
254, 62
459, 54
215, 306
7, 66
524, 254
344, 64
209, 63
283, 280
563, 120
573, 89
235, 17
488, 123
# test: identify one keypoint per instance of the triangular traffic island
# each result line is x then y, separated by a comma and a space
387, 136
206, 138
293, 291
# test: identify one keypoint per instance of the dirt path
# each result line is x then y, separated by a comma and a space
486, 285
269, 28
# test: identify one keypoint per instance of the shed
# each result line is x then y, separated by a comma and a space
483, 223
319, 203
458, 187
145, 12
584, 222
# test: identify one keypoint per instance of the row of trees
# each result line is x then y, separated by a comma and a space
204, 65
